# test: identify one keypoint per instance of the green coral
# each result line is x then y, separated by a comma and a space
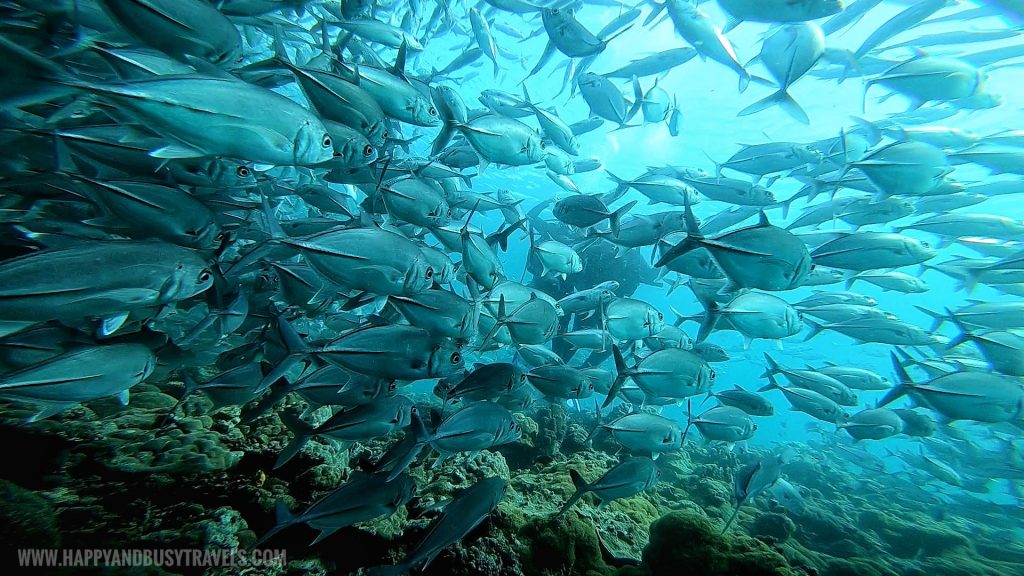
690, 539
27, 520
562, 545
908, 539
774, 526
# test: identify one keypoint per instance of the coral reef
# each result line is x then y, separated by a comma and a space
690, 539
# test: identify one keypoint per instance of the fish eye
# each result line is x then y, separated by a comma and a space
661, 316
430, 273
326, 143
925, 244
712, 372
368, 150
432, 111
456, 358
205, 276
243, 172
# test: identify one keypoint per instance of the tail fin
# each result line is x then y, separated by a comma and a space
191, 386
597, 424
297, 351
693, 239
621, 373
500, 238
771, 366
620, 184
284, 517
938, 318
615, 217
638, 100
963, 336
689, 419
303, 432
781, 99
658, 7
731, 519
581, 489
815, 329
499, 322
744, 82
712, 313
903, 385
772, 384
397, 459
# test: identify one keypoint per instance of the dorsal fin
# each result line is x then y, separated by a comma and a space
399, 68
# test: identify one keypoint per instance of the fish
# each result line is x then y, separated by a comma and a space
393, 351
694, 25
364, 497
855, 377
633, 475
366, 421
631, 319
873, 424
916, 423
754, 315
750, 402
486, 381
862, 251
789, 54
469, 508
584, 210
644, 433
560, 381
741, 254
931, 78
897, 281
605, 99
368, 259
1002, 349
477, 426
722, 423
63, 381
657, 63
180, 29
668, 373
907, 167
810, 402
753, 479
814, 380
780, 10
908, 18
788, 496
982, 397
88, 280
